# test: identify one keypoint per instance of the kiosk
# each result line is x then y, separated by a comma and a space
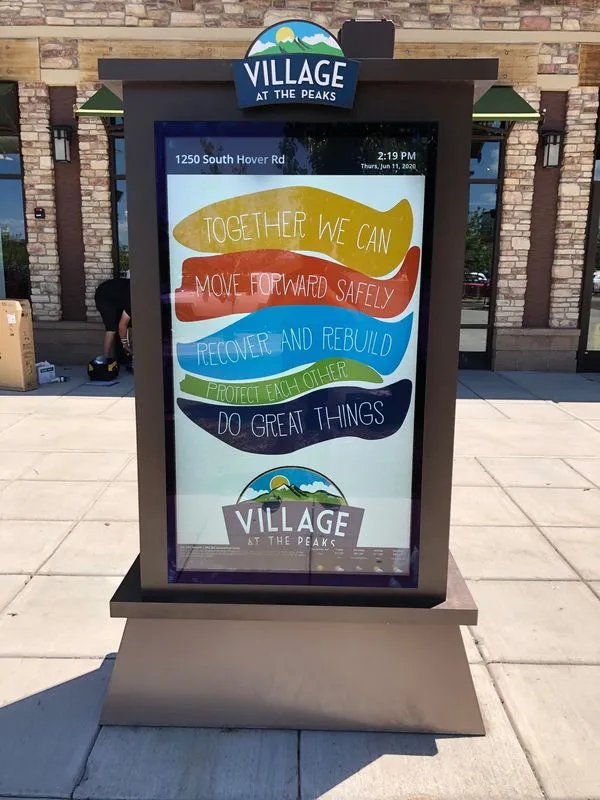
297, 225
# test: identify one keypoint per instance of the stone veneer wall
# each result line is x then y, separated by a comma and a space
95, 201
507, 15
515, 224
573, 206
38, 171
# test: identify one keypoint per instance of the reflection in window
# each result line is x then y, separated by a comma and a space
119, 195
593, 341
14, 261
121, 227
485, 159
480, 247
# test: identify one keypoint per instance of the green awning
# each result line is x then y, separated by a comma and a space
503, 103
102, 104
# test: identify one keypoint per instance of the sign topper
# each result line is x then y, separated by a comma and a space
295, 62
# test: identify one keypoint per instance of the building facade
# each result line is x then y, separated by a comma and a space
533, 233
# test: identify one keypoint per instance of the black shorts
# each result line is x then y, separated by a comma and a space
107, 310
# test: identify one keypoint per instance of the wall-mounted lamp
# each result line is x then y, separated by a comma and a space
552, 144
61, 142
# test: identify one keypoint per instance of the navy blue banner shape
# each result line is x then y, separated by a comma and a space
316, 417
312, 79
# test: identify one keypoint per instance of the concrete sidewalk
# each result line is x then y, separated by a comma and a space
526, 533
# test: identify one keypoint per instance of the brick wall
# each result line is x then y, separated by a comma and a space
515, 227
528, 15
573, 204
38, 170
95, 201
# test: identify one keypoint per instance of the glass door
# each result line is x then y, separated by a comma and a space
588, 357
487, 152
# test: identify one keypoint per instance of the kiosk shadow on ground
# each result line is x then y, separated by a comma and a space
53, 746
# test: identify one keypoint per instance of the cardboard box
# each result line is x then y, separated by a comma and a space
17, 354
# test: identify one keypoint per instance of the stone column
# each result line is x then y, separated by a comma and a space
573, 208
96, 208
38, 179
515, 224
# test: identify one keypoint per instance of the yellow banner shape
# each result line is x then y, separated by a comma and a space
303, 218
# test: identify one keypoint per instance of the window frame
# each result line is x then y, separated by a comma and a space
20, 175
114, 130
481, 359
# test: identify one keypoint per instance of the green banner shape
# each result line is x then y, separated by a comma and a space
279, 389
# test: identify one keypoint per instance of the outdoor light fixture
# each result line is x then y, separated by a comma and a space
552, 142
61, 142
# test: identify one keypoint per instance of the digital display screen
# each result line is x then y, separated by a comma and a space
294, 274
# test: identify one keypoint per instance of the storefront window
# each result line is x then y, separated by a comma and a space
119, 197
14, 263
481, 248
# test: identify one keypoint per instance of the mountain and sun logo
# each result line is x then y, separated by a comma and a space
295, 62
295, 37
293, 508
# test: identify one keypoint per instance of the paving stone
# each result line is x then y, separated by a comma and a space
130, 473
12, 465
10, 586
476, 409
66, 617
508, 437
78, 406
52, 433
582, 410
556, 386
49, 711
80, 467
50, 500
123, 408
484, 505
581, 548
191, 764
96, 548
536, 411
588, 467
506, 552
549, 507
19, 403
382, 766
10, 420
531, 621
464, 393
469, 472
25, 545
494, 385
118, 502
556, 710
552, 472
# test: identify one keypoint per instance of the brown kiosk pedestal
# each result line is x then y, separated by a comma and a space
277, 655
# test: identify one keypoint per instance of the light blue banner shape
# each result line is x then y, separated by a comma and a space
278, 339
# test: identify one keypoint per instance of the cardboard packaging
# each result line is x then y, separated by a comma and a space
46, 372
17, 354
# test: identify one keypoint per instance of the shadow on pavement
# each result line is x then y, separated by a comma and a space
47, 740
557, 387
77, 385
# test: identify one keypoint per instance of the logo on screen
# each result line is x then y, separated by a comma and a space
295, 62
293, 508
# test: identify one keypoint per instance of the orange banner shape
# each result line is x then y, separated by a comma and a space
303, 218
239, 283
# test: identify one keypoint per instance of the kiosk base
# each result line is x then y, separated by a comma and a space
409, 673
